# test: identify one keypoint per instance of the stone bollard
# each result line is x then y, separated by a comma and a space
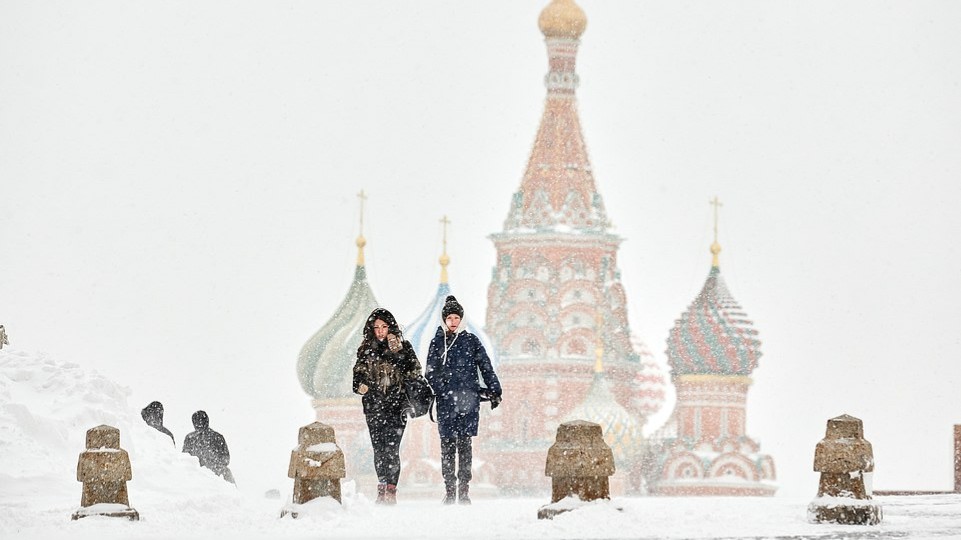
316, 465
104, 469
843, 458
579, 463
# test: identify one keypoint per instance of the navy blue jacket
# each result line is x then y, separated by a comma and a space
453, 376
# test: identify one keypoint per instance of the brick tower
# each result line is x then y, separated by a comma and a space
556, 289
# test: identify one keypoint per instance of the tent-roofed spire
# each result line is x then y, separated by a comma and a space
558, 192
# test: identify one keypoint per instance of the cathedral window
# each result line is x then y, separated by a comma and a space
577, 348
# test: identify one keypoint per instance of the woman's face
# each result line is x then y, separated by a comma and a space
452, 321
380, 330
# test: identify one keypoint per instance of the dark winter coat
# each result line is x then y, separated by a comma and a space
208, 446
453, 376
384, 372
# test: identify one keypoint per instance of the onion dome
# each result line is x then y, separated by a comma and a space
325, 365
562, 19
649, 381
714, 335
622, 430
421, 331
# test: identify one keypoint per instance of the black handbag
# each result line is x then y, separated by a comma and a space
420, 397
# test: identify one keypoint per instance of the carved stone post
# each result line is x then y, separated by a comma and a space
579, 463
843, 458
104, 469
316, 465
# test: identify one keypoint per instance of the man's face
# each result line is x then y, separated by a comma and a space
452, 321
380, 330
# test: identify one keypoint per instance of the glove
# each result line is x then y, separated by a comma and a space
495, 401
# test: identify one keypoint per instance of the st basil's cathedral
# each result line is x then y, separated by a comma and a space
558, 334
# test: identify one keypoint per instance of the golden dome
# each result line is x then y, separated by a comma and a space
562, 19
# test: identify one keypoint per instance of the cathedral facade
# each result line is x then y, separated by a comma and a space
558, 333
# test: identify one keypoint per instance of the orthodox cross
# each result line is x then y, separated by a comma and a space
444, 259
716, 203
715, 247
363, 197
361, 241
445, 222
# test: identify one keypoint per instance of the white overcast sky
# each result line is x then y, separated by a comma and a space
178, 192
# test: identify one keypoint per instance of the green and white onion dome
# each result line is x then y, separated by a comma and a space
326, 361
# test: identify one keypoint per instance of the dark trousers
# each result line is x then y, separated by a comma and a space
385, 438
458, 450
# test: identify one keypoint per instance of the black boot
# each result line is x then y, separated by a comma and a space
451, 495
463, 493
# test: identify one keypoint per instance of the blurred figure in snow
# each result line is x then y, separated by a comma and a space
453, 361
384, 361
3, 337
208, 446
153, 415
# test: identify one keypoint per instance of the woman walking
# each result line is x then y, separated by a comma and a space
384, 361
453, 361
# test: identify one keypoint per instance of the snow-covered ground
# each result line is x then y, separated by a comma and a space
46, 407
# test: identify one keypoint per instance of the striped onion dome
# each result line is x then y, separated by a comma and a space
325, 364
714, 335
422, 330
622, 430
649, 381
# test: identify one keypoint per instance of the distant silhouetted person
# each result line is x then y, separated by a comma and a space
153, 415
208, 446
3, 337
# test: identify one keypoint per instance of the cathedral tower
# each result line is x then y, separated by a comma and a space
556, 290
703, 448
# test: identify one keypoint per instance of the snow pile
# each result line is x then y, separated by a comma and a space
46, 408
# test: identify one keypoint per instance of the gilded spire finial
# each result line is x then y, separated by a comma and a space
715, 247
361, 241
444, 259
562, 19
599, 349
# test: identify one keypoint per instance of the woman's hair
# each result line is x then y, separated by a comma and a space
383, 315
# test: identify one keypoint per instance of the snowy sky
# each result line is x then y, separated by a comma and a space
178, 192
